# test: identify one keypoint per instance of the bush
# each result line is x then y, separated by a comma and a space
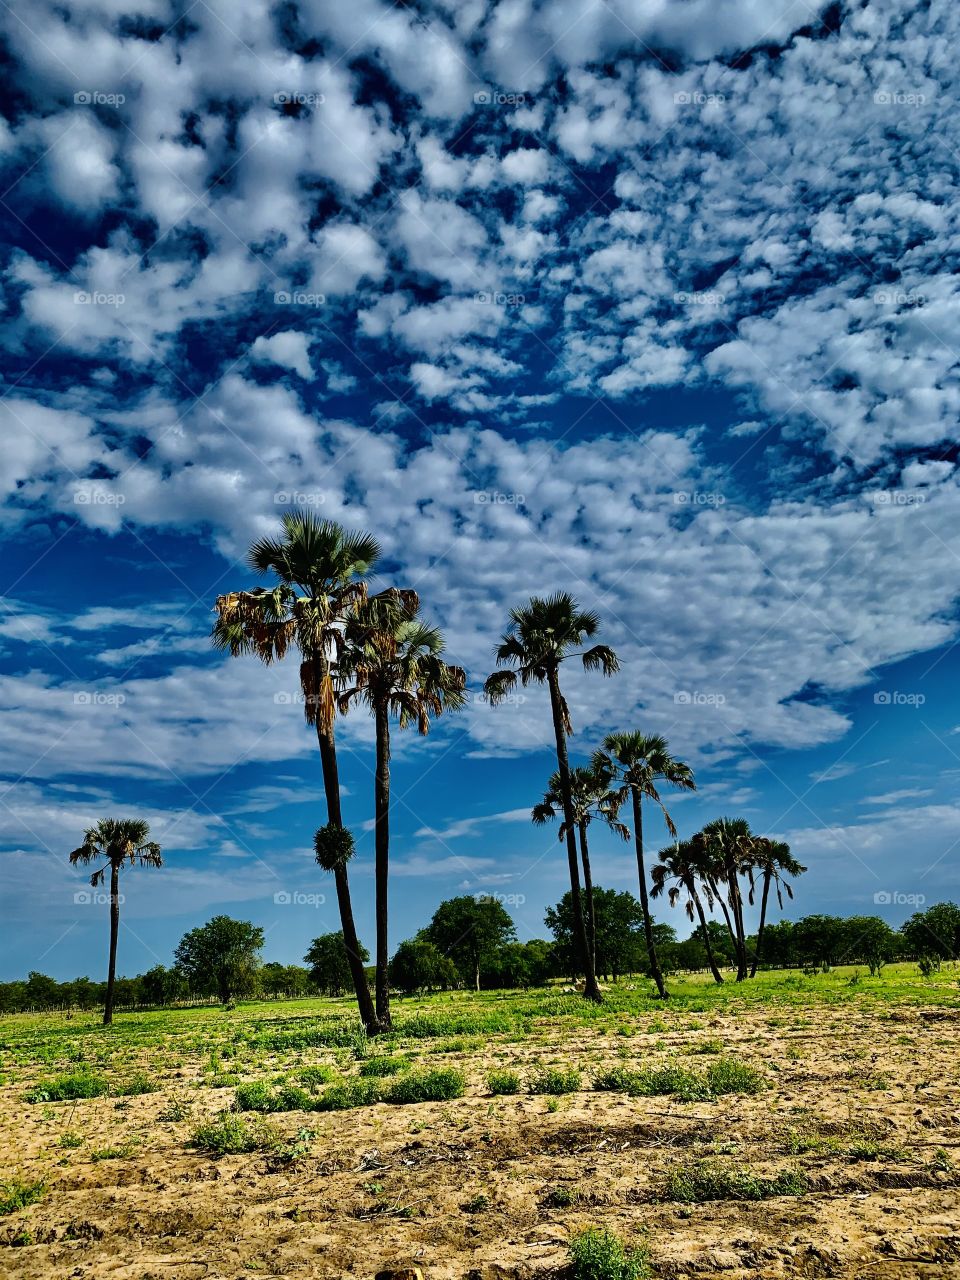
17, 1194
65, 1088
254, 1096
315, 1076
348, 1094
437, 1085
598, 1254
228, 1134
138, 1084
503, 1082
382, 1065
703, 1180
726, 1075
556, 1080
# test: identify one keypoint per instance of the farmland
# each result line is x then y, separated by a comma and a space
800, 1125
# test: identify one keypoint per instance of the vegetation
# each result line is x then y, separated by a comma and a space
18, 1194
221, 957
599, 1254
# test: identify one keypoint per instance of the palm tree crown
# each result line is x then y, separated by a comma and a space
590, 796
117, 841
638, 761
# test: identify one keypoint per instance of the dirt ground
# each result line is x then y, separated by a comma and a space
866, 1106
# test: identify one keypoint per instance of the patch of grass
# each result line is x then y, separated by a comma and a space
348, 1094
438, 1084
503, 1082
69, 1086
228, 1134
555, 1080
138, 1084
71, 1140
713, 1045
258, 1096
384, 1065
319, 1074
727, 1075
724, 1076
599, 1254
17, 1194
122, 1152
704, 1180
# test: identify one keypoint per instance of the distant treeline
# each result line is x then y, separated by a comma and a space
496, 960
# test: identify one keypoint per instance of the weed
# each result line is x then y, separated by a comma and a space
71, 1140
383, 1065
17, 1194
727, 1075
348, 1094
704, 1180
437, 1085
555, 1080
599, 1254
65, 1088
503, 1082
228, 1134
319, 1074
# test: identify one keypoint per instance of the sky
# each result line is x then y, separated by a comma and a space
654, 301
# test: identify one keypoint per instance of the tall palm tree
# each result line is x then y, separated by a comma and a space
319, 570
542, 635
392, 661
727, 848
774, 861
680, 868
120, 842
638, 762
591, 797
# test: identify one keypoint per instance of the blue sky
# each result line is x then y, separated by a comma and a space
655, 302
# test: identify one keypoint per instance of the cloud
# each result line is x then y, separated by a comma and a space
289, 349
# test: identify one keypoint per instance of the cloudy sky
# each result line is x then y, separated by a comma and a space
652, 300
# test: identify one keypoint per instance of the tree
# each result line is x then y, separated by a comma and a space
120, 842
221, 957
419, 966
680, 869
320, 571
620, 937
773, 860
161, 985
870, 939
934, 933
726, 848
521, 964
638, 762
392, 661
542, 635
590, 797
329, 963
470, 931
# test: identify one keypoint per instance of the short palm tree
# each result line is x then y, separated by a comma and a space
680, 869
726, 848
119, 842
638, 762
543, 634
320, 572
774, 862
393, 662
591, 797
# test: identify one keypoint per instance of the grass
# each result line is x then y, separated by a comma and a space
17, 1194
348, 1094
599, 1254
725, 1076
705, 1180
384, 1065
439, 1084
232, 1135
555, 1081
503, 1082
68, 1087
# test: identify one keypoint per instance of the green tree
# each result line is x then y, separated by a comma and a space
470, 931
118, 842
393, 662
330, 964
774, 862
636, 763
521, 965
620, 932
678, 874
319, 570
542, 635
870, 939
727, 849
934, 933
418, 965
221, 957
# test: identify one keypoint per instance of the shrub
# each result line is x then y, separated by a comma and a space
556, 1080
704, 1180
598, 1254
290, 1097
315, 1076
382, 1065
726, 1075
228, 1134
437, 1085
253, 1096
503, 1082
138, 1084
348, 1094
65, 1088
17, 1194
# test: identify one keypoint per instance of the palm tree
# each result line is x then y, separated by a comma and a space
638, 762
591, 797
542, 635
392, 661
680, 867
320, 570
775, 862
121, 842
727, 849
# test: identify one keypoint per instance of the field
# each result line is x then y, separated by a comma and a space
799, 1126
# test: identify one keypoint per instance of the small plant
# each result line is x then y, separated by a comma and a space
599, 1254
348, 1094
503, 1082
17, 1194
383, 1065
174, 1112
71, 1140
138, 1084
437, 1085
555, 1080
319, 1074
561, 1198
727, 1075
703, 1180
66, 1088
477, 1204
229, 1134
253, 1096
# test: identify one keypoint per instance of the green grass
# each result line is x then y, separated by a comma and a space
705, 1180
724, 1076
348, 1094
17, 1194
383, 1065
555, 1081
438, 1084
599, 1254
69, 1086
258, 1096
503, 1082
232, 1135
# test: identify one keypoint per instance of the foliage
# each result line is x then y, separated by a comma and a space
470, 931
707, 1180
555, 1080
383, 1065
67, 1087
503, 1082
329, 966
17, 1194
228, 1134
620, 946
599, 1254
221, 957
418, 965
439, 1084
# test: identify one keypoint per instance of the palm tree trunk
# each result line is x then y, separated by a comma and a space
763, 920
382, 819
114, 935
736, 906
588, 891
331, 787
718, 897
590, 989
708, 945
655, 970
